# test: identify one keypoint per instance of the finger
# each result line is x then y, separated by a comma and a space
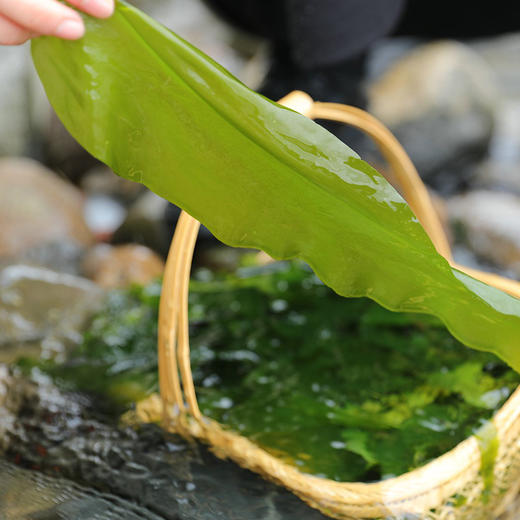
12, 34
97, 8
44, 17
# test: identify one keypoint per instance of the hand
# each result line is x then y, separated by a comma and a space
21, 20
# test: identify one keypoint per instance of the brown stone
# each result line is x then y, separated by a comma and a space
120, 266
37, 207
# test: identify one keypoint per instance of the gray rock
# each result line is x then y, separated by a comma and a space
501, 55
487, 222
497, 176
505, 145
502, 169
439, 100
42, 312
64, 256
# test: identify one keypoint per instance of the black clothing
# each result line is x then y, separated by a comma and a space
458, 20
314, 33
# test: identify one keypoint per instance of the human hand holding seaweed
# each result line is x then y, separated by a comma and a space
21, 20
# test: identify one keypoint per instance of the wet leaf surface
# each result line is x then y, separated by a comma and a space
158, 111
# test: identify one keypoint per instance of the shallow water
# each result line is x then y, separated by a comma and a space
123, 472
338, 387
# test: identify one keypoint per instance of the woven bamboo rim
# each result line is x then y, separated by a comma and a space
425, 491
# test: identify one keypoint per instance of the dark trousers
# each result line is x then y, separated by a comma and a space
316, 33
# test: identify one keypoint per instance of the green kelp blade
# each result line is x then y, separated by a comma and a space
158, 111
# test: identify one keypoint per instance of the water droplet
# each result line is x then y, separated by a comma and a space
325, 334
225, 403
297, 319
212, 380
279, 305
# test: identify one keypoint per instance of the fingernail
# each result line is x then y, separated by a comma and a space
101, 8
70, 30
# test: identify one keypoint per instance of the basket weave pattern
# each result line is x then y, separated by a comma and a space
449, 487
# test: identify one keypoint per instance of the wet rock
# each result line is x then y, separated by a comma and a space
33, 496
63, 434
10, 404
439, 100
145, 224
42, 311
36, 208
487, 222
121, 266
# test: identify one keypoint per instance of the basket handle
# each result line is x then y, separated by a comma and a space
173, 336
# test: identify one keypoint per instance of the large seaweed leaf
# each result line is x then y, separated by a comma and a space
158, 111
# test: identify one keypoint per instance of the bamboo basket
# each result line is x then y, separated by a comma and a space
449, 487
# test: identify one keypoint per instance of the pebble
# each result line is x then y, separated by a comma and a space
488, 223
439, 100
120, 266
37, 207
43, 312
